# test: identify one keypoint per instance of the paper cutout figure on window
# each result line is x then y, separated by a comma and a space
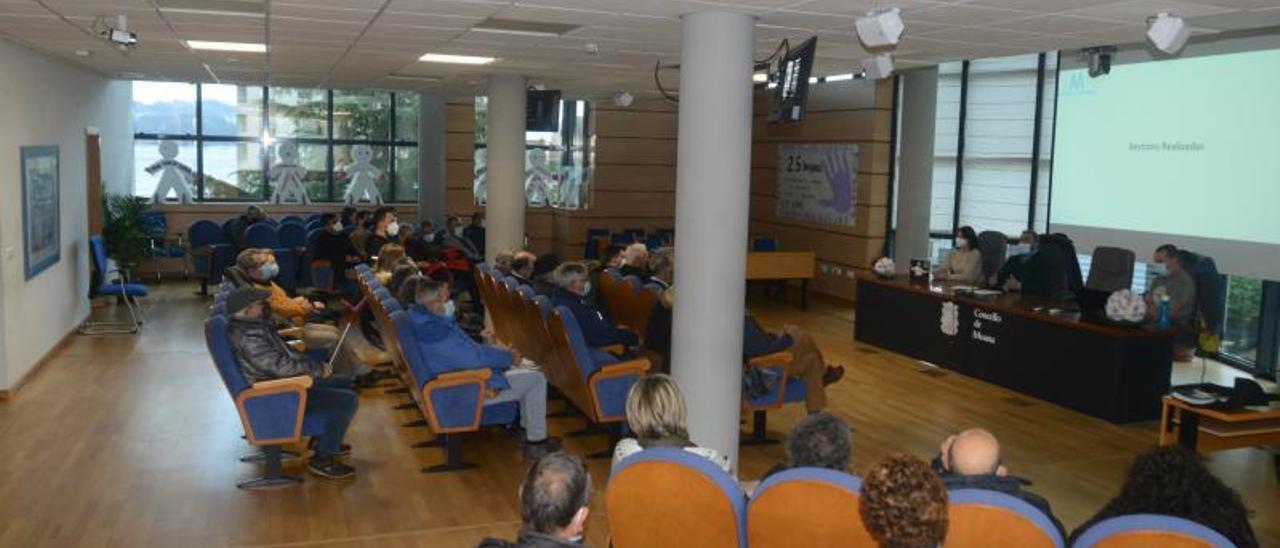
364, 177
480, 172
175, 177
537, 178
287, 176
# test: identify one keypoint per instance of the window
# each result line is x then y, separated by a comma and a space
945, 143
1242, 323
1044, 160
227, 135
557, 163
999, 134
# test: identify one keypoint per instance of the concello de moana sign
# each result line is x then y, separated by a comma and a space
817, 182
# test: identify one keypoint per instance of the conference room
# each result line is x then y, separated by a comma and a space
404, 273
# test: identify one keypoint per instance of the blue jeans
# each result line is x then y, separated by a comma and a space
334, 399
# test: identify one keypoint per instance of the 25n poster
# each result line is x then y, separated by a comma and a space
817, 182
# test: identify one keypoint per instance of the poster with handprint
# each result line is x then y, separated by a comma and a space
817, 182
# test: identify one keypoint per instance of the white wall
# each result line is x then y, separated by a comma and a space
44, 101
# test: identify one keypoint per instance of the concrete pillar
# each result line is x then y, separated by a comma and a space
431, 159
713, 187
504, 211
915, 171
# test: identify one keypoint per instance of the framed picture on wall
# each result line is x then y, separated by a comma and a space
42, 242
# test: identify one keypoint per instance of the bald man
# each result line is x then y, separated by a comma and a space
972, 460
635, 262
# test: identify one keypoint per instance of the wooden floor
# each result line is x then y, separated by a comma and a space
132, 441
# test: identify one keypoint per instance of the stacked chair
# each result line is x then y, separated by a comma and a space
452, 403
595, 383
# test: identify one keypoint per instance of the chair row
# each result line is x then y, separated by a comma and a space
670, 497
600, 238
452, 403
628, 300
594, 381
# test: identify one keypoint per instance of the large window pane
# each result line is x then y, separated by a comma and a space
947, 134
344, 164
998, 139
408, 110
229, 110
1044, 173
146, 154
561, 158
1244, 316
233, 171
299, 112
316, 159
406, 183
364, 115
164, 108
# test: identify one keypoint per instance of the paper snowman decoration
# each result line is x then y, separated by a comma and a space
174, 175
287, 176
536, 178
364, 177
480, 172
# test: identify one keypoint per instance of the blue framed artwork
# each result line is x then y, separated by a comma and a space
42, 242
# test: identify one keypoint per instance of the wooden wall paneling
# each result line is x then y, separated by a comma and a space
633, 177
624, 150
628, 123
459, 117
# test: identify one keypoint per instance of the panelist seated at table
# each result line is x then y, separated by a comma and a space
1053, 270
963, 264
1019, 254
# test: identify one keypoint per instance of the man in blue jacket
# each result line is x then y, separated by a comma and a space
447, 348
573, 284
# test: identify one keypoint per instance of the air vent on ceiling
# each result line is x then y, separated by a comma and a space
246, 8
527, 28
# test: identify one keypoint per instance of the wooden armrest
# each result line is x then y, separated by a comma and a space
297, 346
462, 377
293, 332
772, 360
615, 349
638, 366
302, 381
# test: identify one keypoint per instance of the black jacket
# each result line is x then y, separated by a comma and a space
263, 355
639, 272
596, 330
1009, 485
335, 248
528, 539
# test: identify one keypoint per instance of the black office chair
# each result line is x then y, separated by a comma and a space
1111, 269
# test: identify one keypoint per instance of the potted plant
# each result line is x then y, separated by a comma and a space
122, 231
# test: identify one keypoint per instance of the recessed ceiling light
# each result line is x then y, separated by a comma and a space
838, 77
227, 13
759, 77
456, 59
246, 47
523, 28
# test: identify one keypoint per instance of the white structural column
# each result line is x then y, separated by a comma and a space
713, 187
504, 133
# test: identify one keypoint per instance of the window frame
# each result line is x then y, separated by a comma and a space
569, 144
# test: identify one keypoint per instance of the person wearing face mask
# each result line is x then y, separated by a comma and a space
333, 245
1173, 281
572, 288
963, 264
386, 230
553, 504
424, 243
452, 237
474, 232
448, 348
1015, 266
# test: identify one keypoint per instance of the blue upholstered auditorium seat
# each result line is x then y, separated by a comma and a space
1144, 530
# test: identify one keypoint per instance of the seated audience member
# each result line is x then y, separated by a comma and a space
613, 256
553, 504
1171, 481
963, 264
904, 504
359, 233
235, 231
635, 262
502, 262
259, 265
420, 247
1172, 280
474, 232
572, 286
389, 256
403, 272
386, 230
656, 414
264, 356
522, 266
820, 440
447, 348
452, 237
807, 362
971, 459
543, 270
348, 217
334, 245
662, 264
1015, 266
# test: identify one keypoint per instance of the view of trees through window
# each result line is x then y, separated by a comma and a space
229, 136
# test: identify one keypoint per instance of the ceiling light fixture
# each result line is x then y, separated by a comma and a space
456, 59
210, 45
1168, 33
227, 13
880, 29
759, 77
838, 77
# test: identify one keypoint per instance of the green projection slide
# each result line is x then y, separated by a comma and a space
1183, 147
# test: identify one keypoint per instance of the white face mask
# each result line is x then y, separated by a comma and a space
450, 309
429, 237
1158, 269
458, 231
1019, 249
962, 243
586, 288
393, 228
337, 227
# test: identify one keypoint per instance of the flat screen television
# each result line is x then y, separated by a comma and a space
542, 110
793, 82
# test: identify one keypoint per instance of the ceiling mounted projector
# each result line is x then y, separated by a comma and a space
880, 28
623, 99
1168, 33
877, 67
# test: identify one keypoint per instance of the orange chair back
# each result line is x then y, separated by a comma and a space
806, 511
671, 503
